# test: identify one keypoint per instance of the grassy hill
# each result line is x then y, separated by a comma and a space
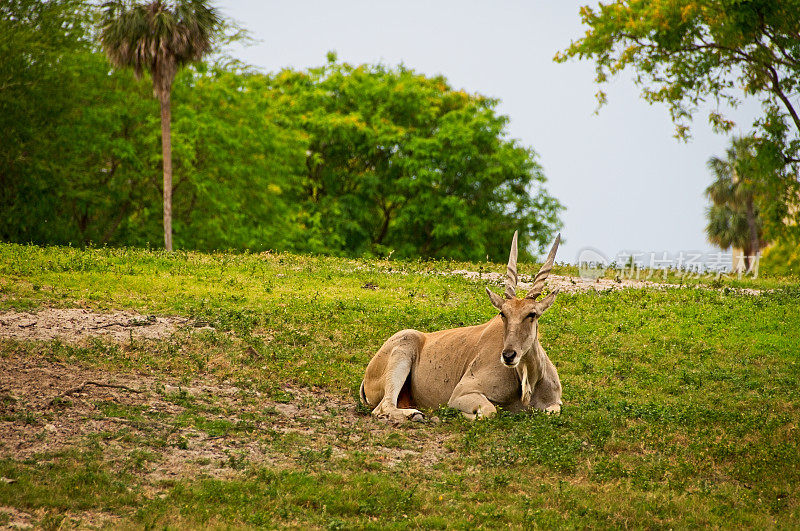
681, 405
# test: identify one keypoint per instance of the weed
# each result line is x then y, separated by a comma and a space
310, 456
237, 460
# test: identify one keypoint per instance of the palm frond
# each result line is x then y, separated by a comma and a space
158, 37
732, 196
726, 227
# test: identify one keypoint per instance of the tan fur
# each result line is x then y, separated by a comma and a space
464, 367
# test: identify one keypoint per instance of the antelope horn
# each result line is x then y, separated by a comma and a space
544, 272
511, 270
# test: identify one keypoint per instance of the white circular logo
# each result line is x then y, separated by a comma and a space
591, 263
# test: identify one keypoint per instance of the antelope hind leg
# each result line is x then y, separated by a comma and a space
397, 370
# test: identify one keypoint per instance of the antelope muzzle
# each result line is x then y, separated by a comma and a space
509, 357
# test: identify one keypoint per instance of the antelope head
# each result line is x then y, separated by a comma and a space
521, 316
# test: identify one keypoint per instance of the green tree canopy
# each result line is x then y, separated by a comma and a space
400, 161
36, 88
685, 53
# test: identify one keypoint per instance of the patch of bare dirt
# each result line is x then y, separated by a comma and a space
565, 284
206, 428
76, 324
16, 519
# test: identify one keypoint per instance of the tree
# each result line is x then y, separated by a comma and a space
733, 217
239, 161
401, 162
159, 38
36, 87
782, 257
688, 52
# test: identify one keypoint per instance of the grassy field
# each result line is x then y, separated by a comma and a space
681, 405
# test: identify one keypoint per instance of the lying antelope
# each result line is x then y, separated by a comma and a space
474, 368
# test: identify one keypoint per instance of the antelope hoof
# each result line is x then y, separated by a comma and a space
478, 415
555, 409
398, 416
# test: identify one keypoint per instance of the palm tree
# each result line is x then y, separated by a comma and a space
733, 218
159, 37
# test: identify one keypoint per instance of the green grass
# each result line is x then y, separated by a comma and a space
681, 405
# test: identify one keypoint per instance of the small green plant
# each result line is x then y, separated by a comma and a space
51, 521
138, 459
310, 456
281, 396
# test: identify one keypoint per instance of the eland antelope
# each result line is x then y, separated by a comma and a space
474, 368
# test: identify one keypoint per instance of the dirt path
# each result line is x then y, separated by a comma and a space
74, 324
570, 284
565, 284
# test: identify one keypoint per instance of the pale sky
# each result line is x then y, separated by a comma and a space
626, 183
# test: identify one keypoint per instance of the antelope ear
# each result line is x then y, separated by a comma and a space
497, 300
545, 303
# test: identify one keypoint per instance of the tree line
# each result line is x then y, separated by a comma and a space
339, 159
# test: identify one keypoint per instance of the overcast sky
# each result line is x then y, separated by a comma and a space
626, 183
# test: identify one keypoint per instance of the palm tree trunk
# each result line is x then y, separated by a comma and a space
166, 153
755, 245
746, 254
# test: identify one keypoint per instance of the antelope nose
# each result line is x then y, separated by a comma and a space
508, 356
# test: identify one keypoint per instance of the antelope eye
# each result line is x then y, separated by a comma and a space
502, 315
532, 316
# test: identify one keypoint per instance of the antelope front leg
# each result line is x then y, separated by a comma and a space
547, 394
397, 370
473, 406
